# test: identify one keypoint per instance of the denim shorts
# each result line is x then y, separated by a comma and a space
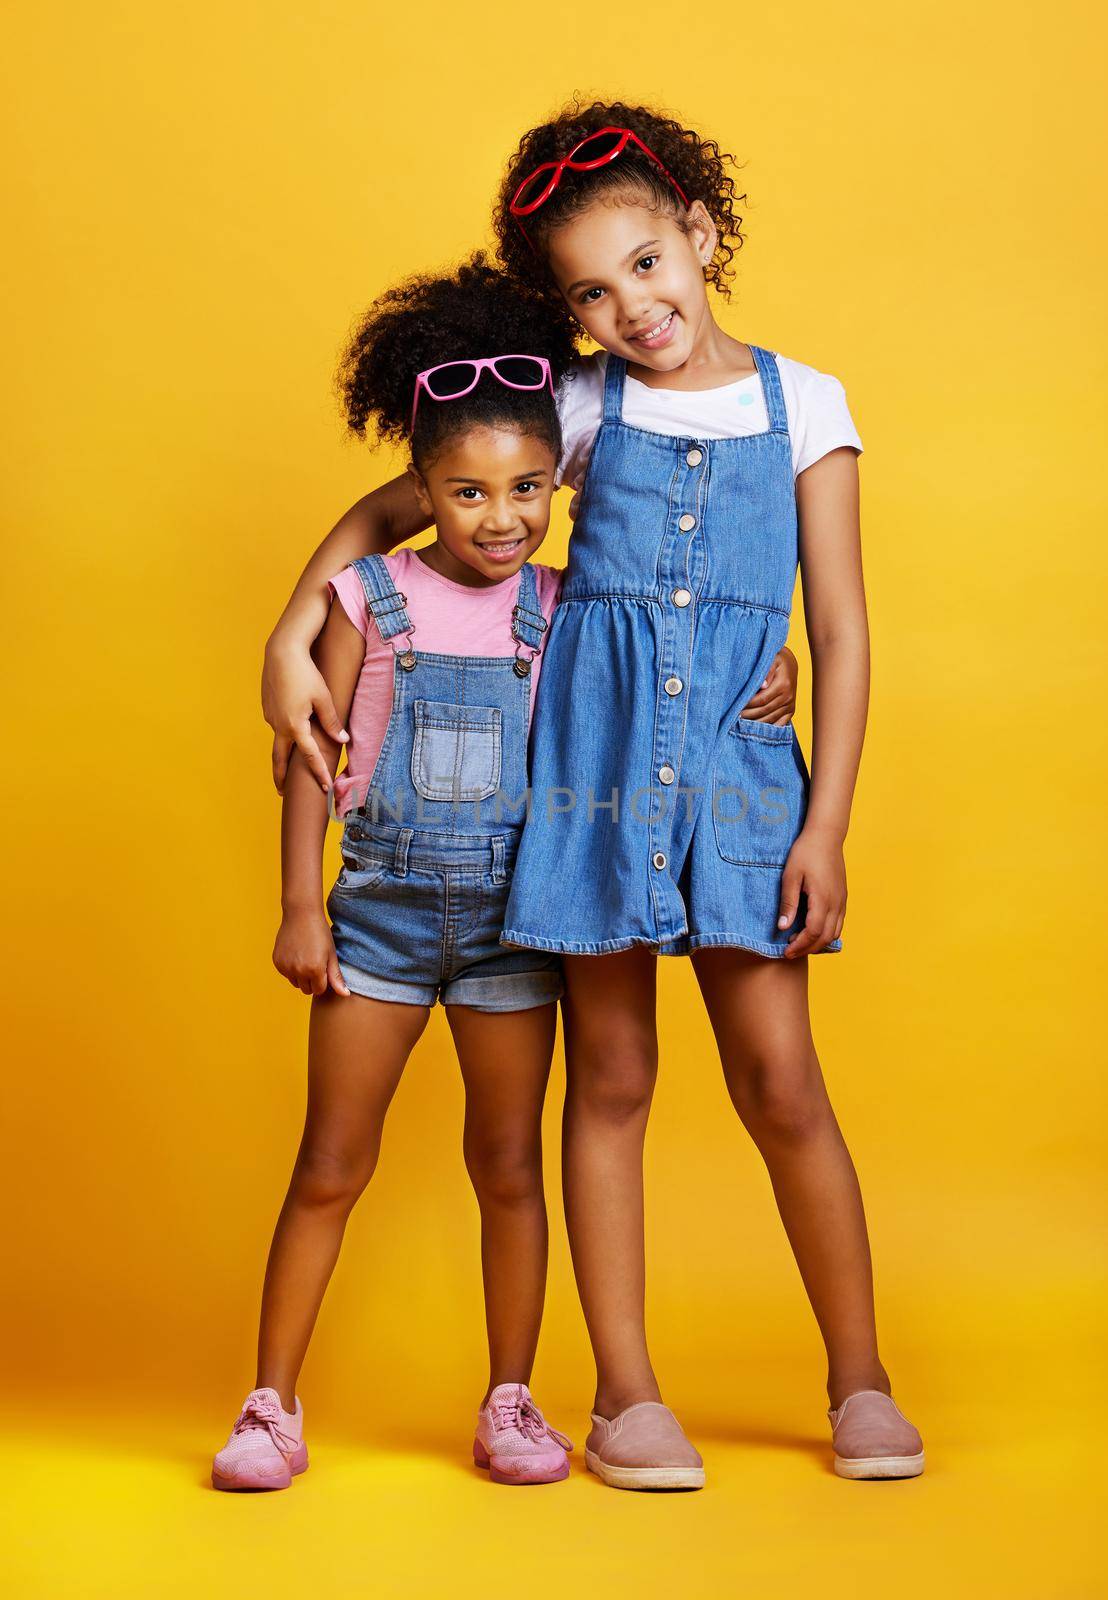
416, 918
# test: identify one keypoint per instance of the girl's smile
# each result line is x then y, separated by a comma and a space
500, 549
659, 336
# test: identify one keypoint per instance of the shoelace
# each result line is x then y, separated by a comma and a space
261, 1414
524, 1415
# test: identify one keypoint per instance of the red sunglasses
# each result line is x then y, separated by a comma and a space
595, 151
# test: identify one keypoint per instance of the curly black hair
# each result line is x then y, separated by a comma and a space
479, 310
698, 165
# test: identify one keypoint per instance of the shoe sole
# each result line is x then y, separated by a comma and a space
879, 1466
644, 1477
481, 1459
297, 1463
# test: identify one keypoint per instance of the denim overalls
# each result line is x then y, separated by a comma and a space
417, 910
659, 816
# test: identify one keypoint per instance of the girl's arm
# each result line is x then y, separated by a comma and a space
835, 614
304, 951
292, 687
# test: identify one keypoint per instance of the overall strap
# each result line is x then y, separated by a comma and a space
386, 603
766, 362
614, 373
528, 622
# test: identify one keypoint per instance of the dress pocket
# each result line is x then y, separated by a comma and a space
759, 794
456, 752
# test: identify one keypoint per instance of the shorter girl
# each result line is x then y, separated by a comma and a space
434, 656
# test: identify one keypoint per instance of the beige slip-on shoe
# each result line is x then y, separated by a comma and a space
874, 1439
643, 1447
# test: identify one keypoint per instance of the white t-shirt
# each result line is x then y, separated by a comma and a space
815, 406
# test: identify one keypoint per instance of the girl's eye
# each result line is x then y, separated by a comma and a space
470, 493
526, 487
646, 262
590, 296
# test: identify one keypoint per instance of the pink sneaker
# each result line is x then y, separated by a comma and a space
874, 1439
266, 1447
515, 1442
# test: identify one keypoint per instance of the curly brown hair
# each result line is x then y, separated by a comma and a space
478, 310
697, 164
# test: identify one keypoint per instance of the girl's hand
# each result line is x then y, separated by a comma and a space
292, 689
816, 867
304, 953
775, 701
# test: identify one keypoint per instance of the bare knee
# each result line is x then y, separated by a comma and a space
327, 1180
504, 1170
612, 1076
780, 1099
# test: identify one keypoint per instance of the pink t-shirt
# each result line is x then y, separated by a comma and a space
453, 619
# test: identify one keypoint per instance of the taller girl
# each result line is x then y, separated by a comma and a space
684, 825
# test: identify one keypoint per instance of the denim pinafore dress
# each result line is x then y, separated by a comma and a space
417, 910
659, 816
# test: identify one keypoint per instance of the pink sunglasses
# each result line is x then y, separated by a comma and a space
453, 379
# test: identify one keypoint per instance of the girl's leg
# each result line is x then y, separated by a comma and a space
505, 1062
611, 1066
759, 1014
357, 1050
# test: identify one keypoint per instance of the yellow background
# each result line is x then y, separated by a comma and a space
200, 199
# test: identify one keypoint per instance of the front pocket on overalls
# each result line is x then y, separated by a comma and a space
456, 752
759, 794
359, 876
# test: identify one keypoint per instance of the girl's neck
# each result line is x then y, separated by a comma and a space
715, 359
439, 559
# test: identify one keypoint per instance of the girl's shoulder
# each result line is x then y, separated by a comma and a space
347, 587
548, 581
805, 381
818, 415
